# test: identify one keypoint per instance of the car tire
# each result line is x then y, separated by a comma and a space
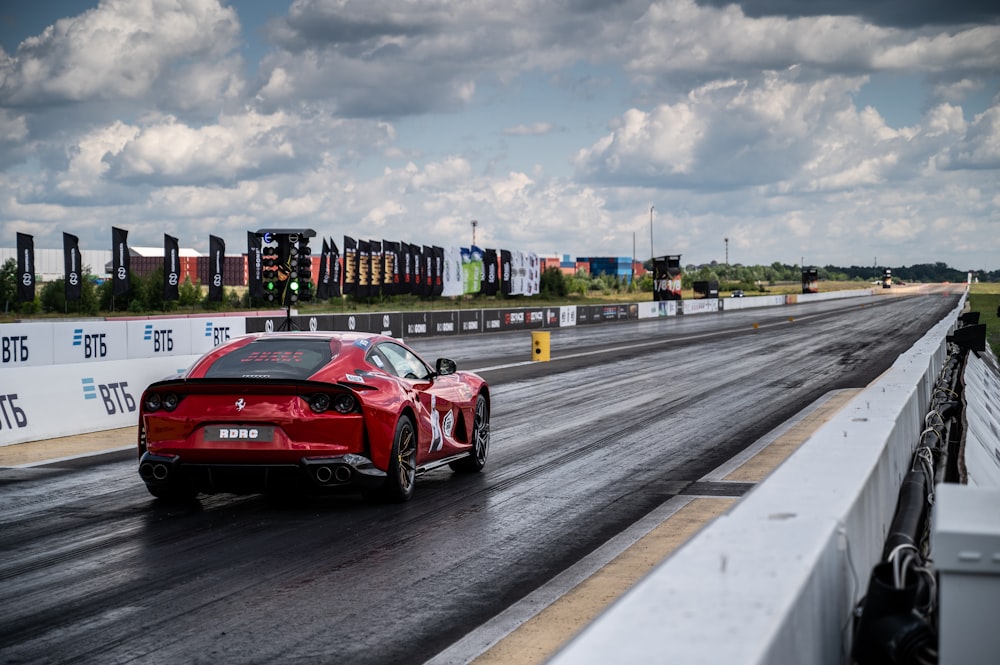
476, 460
402, 472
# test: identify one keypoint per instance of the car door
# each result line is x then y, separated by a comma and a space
437, 400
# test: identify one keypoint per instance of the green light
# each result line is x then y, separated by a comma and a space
294, 286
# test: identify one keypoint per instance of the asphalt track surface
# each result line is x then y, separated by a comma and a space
624, 418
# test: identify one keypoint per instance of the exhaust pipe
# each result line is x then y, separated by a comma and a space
146, 470
160, 471
340, 473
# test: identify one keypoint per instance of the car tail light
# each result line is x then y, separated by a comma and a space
341, 403
345, 403
166, 401
319, 402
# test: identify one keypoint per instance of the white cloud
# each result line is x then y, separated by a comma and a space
120, 50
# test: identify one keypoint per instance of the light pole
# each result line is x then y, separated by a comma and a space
651, 252
474, 225
727, 250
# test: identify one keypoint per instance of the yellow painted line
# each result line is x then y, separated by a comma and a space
67, 447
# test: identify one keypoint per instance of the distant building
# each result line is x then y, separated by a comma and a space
50, 266
620, 266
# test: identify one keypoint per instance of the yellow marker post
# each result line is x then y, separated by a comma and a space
540, 346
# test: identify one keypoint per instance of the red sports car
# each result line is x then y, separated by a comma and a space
315, 410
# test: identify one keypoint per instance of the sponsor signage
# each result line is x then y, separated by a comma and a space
25, 345
206, 334
567, 316
470, 321
445, 323
87, 342
416, 324
91, 397
151, 338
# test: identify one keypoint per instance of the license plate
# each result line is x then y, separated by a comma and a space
264, 433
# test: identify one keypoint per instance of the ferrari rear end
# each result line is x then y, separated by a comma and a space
204, 435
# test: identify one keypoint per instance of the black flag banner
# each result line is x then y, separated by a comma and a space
335, 271
437, 287
405, 268
350, 267
71, 265
491, 282
377, 269
25, 267
506, 266
364, 269
323, 281
427, 283
391, 276
216, 263
121, 262
171, 268
255, 266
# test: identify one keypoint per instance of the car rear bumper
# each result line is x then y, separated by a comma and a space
311, 474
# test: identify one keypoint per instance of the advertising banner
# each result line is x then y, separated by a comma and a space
171, 268
25, 345
91, 398
335, 270
567, 316
377, 270
444, 323
216, 264
350, 267
89, 341
73, 273
208, 333
323, 280
121, 262
506, 272
255, 266
470, 320
491, 278
390, 268
152, 338
25, 267
364, 270
416, 324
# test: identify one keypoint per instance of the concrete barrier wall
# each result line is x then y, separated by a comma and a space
64, 378
776, 578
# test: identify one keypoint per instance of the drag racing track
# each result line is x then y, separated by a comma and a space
624, 417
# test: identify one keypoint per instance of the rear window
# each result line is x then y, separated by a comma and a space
283, 358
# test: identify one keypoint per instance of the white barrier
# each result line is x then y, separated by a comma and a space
62, 400
64, 378
751, 302
776, 578
653, 310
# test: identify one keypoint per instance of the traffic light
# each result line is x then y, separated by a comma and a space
269, 268
286, 265
304, 276
292, 295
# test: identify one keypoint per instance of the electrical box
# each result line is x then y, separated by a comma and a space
965, 548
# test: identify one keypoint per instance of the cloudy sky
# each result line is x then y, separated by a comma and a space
843, 132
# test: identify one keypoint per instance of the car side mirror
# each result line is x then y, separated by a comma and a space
446, 366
